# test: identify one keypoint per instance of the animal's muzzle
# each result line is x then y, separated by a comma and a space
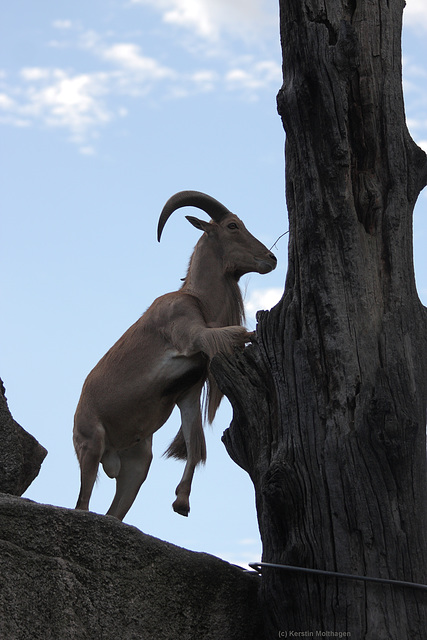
267, 264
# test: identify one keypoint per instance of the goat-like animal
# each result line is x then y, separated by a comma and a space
163, 360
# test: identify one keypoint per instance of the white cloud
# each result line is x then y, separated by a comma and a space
257, 76
84, 100
205, 80
87, 151
90, 40
58, 98
414, 86
211, 18
6, 103
128, 56
248, 541
262, 299
193, 15
73, 101
414, 76
412, 69
34, 73
415, 124
415, 14
8, 112
246, 551
62, 24
80, 102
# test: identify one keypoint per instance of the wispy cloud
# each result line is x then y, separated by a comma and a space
62, 24
415, 14
247, 551
210, 19
414, 83
6, 103
262, 299
59, 99
256, 76
83, 101
128, 56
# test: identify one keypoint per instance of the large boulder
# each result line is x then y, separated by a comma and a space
20, 454
78, 575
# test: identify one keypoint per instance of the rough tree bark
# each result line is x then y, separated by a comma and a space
330, 404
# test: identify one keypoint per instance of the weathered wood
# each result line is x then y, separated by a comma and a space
330, 405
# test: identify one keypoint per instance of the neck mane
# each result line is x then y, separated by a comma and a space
219, 292
220, 300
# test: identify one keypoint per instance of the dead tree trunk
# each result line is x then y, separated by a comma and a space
330, 405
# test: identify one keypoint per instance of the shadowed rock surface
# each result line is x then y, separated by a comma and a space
20, 454
78, 575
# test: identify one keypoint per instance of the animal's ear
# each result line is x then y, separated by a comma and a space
199, 224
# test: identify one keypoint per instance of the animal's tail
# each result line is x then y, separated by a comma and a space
212, 398
178, 449
211, 401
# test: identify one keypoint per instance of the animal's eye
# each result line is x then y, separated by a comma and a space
232, 225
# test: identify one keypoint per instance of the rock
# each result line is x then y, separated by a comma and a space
78, 575
20, 454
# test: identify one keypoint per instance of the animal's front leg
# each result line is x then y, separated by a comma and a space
192, 429
221, 339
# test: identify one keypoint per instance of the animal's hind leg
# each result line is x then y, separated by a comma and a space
192, 429
89, 443
134, 465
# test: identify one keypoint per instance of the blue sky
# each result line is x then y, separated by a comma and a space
106, 109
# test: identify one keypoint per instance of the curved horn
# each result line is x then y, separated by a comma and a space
212, 207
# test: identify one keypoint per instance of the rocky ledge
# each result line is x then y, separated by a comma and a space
75, 575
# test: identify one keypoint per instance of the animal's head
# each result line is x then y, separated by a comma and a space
241, 252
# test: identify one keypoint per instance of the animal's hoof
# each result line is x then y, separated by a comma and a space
181, 508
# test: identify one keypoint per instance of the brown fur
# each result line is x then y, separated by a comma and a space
219, 342
178, 449
162, 361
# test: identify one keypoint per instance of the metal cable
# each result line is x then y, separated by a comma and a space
334, 574
281, 236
